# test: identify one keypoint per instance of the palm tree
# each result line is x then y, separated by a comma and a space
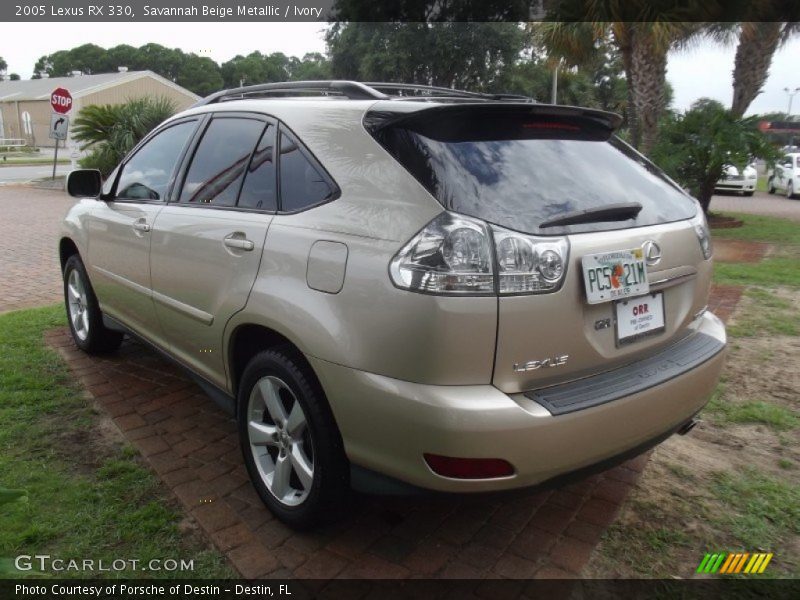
111, 131
757, 44
643, 46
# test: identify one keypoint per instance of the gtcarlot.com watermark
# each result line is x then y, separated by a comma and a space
45, 563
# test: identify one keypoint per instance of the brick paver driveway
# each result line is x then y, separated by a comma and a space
29, 269
193, 446
761, 203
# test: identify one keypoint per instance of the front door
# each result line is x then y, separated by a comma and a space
121, 226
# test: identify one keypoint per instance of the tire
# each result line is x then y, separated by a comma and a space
83, 312
771, 186
314, 478
790, 190
749, 193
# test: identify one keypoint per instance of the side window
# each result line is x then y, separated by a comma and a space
302, 184
220, 161
258, 191
146, 176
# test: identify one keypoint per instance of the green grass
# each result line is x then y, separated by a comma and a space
761, 510
774, 416
769, 272
768, 314
83, 501
662, 538
26, 161
780, 269
761, 229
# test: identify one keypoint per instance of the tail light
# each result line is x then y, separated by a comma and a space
459, 255
703, 234
450, 256
528, 264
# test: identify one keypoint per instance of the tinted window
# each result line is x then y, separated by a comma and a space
302, 184
219, 162
258, 190
147, 175
522, 171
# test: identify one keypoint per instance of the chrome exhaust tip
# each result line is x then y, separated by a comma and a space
688, 426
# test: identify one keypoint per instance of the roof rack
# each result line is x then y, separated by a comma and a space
353, 90
414, 90
350, 89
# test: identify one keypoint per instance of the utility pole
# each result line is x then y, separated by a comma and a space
791, 96
554, 90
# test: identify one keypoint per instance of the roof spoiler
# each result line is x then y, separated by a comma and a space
379, 118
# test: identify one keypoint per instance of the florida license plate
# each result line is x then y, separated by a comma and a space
638, 317
615, 275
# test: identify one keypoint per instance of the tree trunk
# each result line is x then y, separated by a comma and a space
648, 80
623, 36
630, 109
706, 192
757, 45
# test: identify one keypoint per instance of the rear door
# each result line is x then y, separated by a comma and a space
207, 245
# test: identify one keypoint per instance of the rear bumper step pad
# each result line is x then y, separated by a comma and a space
631, 379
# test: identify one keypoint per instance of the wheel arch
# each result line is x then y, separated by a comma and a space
66, 248
247, 340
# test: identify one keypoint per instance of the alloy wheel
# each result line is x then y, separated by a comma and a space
78, 304
280, 440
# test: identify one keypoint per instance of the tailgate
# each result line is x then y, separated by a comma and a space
552, 338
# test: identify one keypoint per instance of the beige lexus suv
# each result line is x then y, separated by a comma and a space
397, 287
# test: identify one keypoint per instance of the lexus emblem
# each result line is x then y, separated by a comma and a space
652, 253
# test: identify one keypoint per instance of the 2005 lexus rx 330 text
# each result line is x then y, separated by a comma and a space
396, 286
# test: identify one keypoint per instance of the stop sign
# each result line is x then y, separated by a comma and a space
61, 100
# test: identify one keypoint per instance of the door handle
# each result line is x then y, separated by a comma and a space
141, 225
239, 242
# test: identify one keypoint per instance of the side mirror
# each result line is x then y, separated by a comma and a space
84, 183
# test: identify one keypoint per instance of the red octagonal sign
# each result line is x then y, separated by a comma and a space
61, 100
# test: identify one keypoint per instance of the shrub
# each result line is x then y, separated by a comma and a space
109, 132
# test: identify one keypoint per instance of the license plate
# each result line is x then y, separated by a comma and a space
639, 317
615, 275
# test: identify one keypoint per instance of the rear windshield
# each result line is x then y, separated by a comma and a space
521, 171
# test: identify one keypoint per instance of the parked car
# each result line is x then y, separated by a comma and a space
401, 287
785, 177
742, 181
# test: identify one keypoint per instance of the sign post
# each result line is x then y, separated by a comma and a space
61, 101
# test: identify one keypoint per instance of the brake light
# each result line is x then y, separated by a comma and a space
459, 255
469, 468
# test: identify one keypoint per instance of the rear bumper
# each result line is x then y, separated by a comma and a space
388, 424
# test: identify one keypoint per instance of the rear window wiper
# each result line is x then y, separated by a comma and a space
600, 214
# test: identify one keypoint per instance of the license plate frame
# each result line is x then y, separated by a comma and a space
625, 315
624, 275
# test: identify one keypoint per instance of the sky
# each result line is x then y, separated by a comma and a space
704, 70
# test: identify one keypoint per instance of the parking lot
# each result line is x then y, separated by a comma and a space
760, 203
